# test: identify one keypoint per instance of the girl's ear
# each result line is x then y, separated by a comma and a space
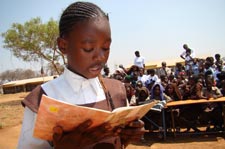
62, 45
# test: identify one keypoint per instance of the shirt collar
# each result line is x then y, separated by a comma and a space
79, 83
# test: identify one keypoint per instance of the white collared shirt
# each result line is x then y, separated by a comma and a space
74, 89
69, 87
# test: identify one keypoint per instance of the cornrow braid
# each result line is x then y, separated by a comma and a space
76, 12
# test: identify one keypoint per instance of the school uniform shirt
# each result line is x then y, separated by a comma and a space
139, 61
70, 88
143, 79
192, 54
151, 79
195, 69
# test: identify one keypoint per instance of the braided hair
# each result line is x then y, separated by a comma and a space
77, 12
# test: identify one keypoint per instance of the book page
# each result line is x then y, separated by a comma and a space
124, 115
53, 113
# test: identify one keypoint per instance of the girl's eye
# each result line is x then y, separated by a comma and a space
106, 49
88, 50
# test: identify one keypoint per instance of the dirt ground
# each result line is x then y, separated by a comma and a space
11, 114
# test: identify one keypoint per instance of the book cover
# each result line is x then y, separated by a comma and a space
53, 113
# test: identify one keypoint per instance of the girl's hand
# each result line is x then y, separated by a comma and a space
132, 132
81, 136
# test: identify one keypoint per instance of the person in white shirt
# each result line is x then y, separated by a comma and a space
85, 38
152, 78
188, 55
142, 76
139, 60
186, 52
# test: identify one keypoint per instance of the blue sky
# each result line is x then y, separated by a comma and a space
157, 28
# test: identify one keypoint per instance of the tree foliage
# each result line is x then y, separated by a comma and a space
33, 41
18, 74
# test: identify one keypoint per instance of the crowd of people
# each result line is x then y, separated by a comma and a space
195, 79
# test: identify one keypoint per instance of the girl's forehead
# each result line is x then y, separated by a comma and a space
97, 21
90, 31
90, 25
157, 87
170, 87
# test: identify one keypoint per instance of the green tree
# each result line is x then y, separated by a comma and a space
34, 41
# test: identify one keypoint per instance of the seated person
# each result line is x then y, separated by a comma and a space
141, 96
212, 111
223, 87
189, 114
130, 92
173, 92
157, 93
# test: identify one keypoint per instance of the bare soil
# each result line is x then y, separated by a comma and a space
11, 114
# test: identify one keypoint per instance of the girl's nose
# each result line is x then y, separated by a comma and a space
100, 54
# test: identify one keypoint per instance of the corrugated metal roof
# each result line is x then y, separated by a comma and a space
28, 81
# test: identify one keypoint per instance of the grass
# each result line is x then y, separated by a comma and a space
11, 110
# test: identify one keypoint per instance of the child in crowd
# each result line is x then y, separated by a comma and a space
129, 91
173, 92
213, 111
142, 77
164, 80
85, 39
179, 69
141, 96
188, 61
189, 113
195, 67
223, 87
157, 93
106, 72
152, 78
155, 114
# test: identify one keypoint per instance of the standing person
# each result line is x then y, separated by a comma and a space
219, 61
187, 51
85, 39
188, 55
139, 60
164, 70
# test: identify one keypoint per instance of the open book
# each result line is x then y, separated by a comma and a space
159, 106
53, 113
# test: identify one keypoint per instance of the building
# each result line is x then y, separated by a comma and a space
24, 85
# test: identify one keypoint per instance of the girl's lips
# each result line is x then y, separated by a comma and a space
96, 68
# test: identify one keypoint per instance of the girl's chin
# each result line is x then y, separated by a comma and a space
93, 74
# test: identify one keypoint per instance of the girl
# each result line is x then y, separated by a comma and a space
173, 92
85, 39
157, 93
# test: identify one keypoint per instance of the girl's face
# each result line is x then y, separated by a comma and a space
87, 46
170, 89
128, 90
157, 90
143, 95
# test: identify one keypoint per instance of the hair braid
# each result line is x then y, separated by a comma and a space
76, 12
